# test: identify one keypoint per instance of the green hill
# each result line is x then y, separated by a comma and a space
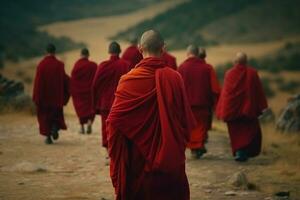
19, 19
209, 22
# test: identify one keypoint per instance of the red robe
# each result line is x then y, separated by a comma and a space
81, 89
241, 102
104, 86
132, 55
149, 126
170, 60
50, 94
202, 90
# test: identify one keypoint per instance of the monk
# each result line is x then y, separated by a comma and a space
50, 94
81, 90
148, 129
105, 84
202, 90
241, 102
132, 53
169, 59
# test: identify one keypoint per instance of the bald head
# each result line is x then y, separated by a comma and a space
241, 58
192, 50
151, 43
202, 53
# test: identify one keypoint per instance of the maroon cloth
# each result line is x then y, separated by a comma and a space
245, 134
132, 55
104, 129
242, 94
81, 88
149, 125
50, 93
241, 102
104, 86
197, 77
202, 90
49, 117
170, 60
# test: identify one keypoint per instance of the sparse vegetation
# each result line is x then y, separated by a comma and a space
211, 22
182, 24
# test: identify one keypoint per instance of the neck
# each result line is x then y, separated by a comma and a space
147, 55
191, 56
50, 54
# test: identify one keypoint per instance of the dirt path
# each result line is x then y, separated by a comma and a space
76, 168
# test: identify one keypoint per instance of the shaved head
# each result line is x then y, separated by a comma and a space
152, 42
133, 39
241, 58
192, 50
114, 48
202, 53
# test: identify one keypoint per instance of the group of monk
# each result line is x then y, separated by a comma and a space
151, 111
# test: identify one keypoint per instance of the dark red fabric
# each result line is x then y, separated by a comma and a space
106, 81
81, 88
241, 102
49, 117
84, 120
149, 125
199, 134
51, 85
104, 86
242, 94
104, 129
202, 90
245, 134
170, 60
50, 94
132, 55
200, 81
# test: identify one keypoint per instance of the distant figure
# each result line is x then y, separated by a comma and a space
132, 53
148, 128
50, 94
202, 91
169, 59
105, 84
241, 102
81, 90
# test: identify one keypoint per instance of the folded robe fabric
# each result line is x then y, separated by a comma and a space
81, 88
132, 55
50, 93
149, 125
241, 102
203, 90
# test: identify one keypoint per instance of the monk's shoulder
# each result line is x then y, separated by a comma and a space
170, 73
251, 69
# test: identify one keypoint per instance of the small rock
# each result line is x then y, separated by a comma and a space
21, 183
267, 116
268, 198
282, 194
26, 166
208, 191
239, 179
230, 193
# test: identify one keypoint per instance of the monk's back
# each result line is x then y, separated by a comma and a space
49, 87
196, 76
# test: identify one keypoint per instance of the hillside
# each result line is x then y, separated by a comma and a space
212, 22
19, 19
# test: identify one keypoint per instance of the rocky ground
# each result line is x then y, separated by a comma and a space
76, 166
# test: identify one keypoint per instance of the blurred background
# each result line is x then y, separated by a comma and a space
267, 30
